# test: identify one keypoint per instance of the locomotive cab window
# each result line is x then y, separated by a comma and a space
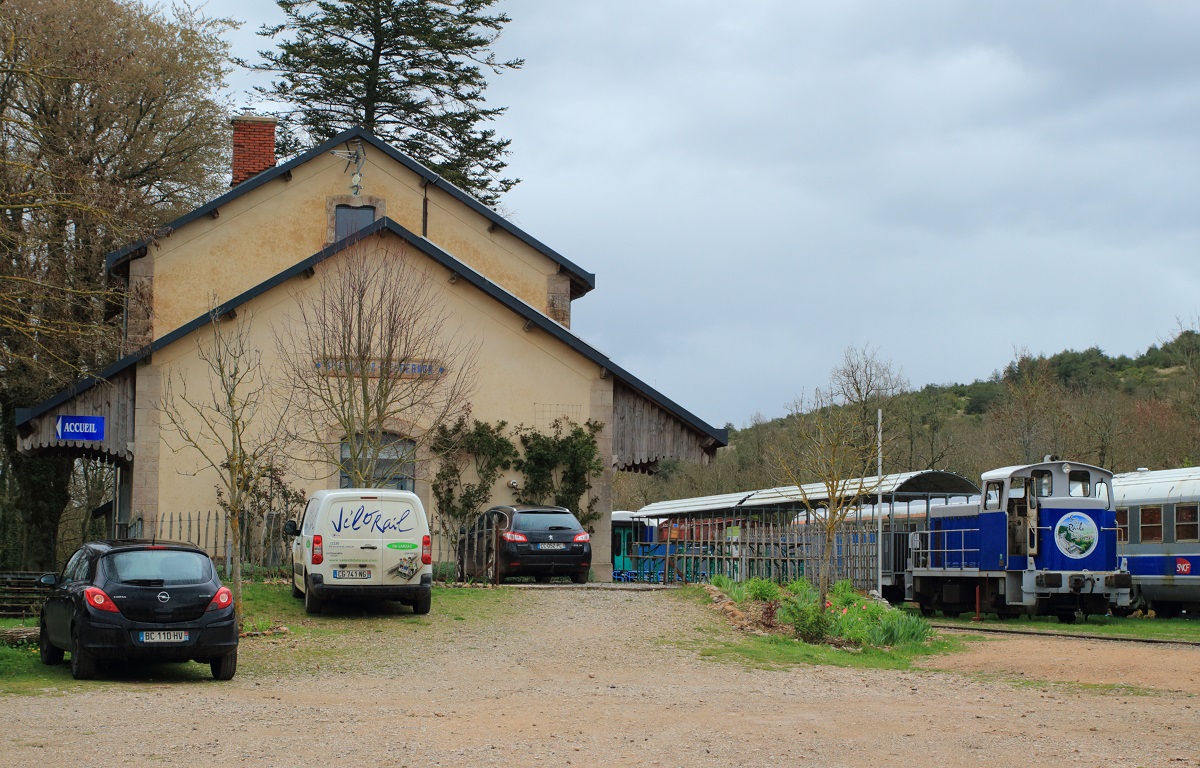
992, 496
1079, 483
1122, 524
1042, 482
1017, 488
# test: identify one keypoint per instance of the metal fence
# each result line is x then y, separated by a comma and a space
773, 546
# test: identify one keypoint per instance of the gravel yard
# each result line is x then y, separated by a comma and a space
569, 676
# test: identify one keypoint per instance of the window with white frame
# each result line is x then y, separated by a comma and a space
1186, 523
1150, 524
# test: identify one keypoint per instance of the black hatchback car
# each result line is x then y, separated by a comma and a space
527, 540
136, 600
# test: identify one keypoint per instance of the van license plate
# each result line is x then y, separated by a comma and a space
351, 574
178, 636
552, 546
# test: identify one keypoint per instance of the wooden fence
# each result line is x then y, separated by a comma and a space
21, 594
265, 549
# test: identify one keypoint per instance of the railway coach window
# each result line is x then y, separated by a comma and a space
1122, 524
1186, 523
1150, 525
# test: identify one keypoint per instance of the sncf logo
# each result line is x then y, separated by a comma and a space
1183, 567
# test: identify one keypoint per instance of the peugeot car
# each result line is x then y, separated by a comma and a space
136, 600
533, 541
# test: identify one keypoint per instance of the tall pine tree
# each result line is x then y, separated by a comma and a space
410, 71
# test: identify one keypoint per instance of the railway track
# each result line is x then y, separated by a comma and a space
993, 630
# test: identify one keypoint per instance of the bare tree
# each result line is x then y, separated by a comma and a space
824, 444
232, 422
920, 432
865, 383
374, 361
1032, 419
110, 123
1101, 425
864, 379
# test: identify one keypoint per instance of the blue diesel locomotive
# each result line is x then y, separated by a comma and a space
1042, 540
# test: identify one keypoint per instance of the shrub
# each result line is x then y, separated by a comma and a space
803, 590
736, 592
762, 590
843, 594
721, 581
900, 628
807, 620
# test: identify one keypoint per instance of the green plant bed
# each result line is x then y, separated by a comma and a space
846, 619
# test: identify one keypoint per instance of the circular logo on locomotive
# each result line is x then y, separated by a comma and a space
1076, 535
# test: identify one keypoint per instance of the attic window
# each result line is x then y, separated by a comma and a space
348, 219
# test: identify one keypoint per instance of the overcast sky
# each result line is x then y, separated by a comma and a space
759, 185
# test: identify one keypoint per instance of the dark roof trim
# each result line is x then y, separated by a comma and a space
510, 301
582, 281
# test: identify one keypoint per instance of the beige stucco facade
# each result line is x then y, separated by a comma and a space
523, 377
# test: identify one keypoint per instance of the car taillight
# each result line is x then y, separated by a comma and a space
514, 536
318, 550
96, 598
223, 599
426, 550
582, 538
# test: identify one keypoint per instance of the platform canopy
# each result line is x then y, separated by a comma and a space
903, 486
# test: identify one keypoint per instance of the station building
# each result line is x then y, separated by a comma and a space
256, 249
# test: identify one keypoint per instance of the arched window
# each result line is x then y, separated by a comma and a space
396, 466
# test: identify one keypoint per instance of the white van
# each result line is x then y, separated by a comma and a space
363, 543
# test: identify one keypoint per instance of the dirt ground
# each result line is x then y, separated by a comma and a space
608, 677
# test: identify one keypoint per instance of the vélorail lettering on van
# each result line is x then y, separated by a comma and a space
359, 519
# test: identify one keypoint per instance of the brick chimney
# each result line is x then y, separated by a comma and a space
253, 146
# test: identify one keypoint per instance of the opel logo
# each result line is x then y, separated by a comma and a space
163, 597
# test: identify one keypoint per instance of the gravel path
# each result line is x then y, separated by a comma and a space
592, 678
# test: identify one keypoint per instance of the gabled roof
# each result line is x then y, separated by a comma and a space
528, 313
582, 281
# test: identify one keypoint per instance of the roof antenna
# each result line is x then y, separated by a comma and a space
357, 156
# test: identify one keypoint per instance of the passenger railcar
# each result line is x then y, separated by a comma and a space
1042, 540
1157, 531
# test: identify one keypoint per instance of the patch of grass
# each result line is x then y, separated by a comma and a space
780, 652
22, 673
1187, 630
28, 621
